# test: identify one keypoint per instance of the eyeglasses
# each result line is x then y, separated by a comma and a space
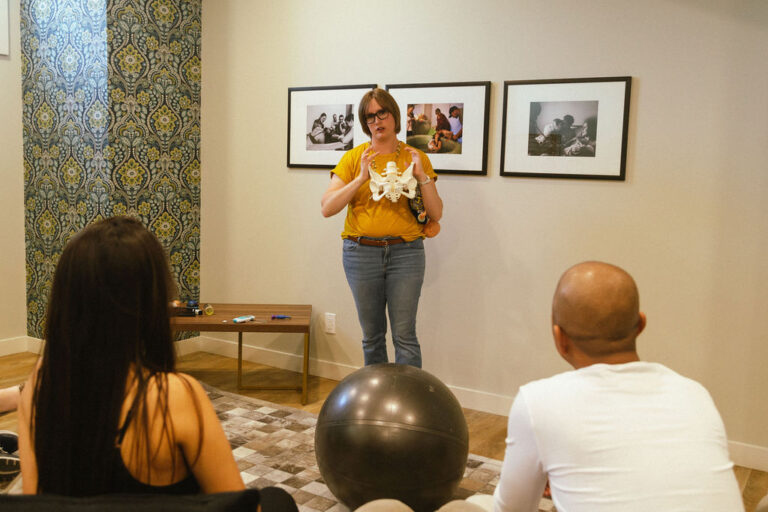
371, 118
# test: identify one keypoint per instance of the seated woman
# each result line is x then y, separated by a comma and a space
319, 131
105, 410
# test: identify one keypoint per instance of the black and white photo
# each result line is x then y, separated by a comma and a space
330, 127
565, 128
322, 124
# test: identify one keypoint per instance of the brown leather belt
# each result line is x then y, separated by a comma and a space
374, 242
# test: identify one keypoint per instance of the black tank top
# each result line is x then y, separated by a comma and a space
124, 482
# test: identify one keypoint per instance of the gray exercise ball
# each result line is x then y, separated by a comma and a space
392, 431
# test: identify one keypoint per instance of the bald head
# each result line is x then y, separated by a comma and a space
597, 305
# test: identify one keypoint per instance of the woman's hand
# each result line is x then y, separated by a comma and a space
418, 169
432, 202
339, 193
365, 162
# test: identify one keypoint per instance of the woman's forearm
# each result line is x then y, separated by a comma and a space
338, 195
432, 202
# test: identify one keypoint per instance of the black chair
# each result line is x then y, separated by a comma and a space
270, 498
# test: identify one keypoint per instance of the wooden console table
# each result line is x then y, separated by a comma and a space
221, 321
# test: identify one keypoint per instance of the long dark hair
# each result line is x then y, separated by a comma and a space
107, 320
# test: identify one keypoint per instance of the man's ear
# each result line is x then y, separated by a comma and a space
641, 320
562, 343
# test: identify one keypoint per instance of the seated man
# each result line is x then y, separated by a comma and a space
616, 433
457, 130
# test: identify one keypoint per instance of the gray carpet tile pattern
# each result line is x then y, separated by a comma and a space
274, 445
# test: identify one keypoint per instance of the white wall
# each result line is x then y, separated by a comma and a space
12, 288
689, 222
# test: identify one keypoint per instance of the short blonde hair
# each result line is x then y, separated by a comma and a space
386, 101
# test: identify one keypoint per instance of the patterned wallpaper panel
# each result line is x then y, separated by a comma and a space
154, 136
111, 92
64, 87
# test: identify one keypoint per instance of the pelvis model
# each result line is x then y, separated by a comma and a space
392, 184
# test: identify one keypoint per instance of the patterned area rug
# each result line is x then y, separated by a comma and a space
274, 445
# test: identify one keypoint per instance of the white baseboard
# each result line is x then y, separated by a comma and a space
20, 344
35, 345
187, 346
269, 357
10, 346
482, 400
749, 455
470, 398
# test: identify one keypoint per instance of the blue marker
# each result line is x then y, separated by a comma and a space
281, 317
244, 318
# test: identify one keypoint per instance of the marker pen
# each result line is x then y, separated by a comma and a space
244, 318
281, 317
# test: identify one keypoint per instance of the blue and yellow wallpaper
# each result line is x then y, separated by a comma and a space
111, 93
154, 133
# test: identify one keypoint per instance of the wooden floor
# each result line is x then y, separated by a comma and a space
486, 431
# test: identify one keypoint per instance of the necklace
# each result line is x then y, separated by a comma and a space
397, 155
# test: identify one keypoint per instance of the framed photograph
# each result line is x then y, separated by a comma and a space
567, 128
322, 123
448, 121
5, 37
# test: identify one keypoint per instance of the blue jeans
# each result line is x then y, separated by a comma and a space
387, 279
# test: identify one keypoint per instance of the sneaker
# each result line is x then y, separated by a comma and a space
9, 441
9, 467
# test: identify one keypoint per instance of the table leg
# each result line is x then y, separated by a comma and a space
239, 359
304, 378
305, 370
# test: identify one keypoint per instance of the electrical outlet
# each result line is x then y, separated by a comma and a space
330, 323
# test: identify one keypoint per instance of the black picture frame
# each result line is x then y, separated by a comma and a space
309, 148
471, 101
593, 146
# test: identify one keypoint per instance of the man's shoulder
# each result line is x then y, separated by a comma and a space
554, 381
602, 375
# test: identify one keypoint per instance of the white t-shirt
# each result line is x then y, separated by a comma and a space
628, 437
455, 126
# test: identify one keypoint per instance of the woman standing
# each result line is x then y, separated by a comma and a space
383, 243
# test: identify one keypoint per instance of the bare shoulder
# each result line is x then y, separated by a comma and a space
182, 392
188, 405
181, 386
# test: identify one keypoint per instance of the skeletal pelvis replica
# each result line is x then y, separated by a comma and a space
392, 184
